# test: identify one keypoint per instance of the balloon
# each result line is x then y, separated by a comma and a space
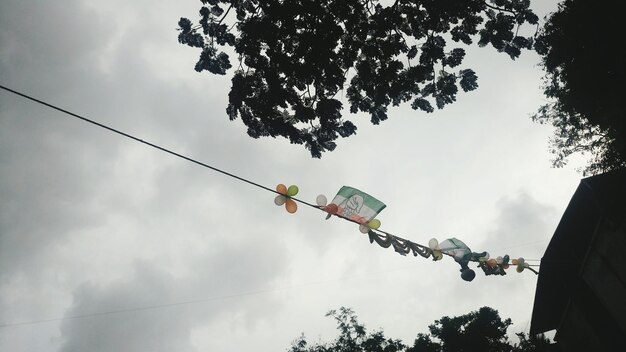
291, 206
514, 261
321, 200
521, 264
280, 200
374, 224
292, 191
468, 275
282, 189
331, 208
364, 228
499, 260
433, 243
492, 263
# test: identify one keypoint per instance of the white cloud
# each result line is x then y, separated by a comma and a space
91, 222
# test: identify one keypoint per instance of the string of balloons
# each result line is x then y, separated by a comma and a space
349, 204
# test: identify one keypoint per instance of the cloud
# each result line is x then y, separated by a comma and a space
91, 222
219, 285
522, 225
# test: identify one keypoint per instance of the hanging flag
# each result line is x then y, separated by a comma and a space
356, 205
457, 249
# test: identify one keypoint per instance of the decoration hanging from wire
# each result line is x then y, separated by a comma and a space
361, 208
349, 204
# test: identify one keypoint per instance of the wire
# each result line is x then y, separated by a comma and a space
124, 134
144, 308
127, 135
137, 139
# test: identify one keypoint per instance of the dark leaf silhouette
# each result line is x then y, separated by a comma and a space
481, 330
586, 83
296, 56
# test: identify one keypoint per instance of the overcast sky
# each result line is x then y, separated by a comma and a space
93, 223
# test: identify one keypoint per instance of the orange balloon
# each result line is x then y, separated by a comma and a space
282, 189
291, 206
492, 263
514, 261
331, 208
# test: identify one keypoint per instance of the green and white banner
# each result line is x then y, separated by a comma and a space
356, 205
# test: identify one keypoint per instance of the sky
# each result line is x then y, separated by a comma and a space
159, 254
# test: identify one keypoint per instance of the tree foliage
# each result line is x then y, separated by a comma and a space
481, 330
584, 60
353, 337
534, 343
295, 56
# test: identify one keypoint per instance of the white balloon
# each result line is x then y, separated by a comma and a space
280, 200
321, 200
433, 243
499, 260
364, 228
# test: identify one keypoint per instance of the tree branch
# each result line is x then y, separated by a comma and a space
500, 9
225, 14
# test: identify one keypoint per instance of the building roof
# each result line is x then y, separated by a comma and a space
596, 197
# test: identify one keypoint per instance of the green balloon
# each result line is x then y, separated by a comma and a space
292, 190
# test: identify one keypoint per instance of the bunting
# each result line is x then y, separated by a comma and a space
361, 208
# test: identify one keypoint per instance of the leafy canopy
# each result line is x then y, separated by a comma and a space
481, 330
585, 78
295, 56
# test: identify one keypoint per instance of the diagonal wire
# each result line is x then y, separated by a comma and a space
163, 149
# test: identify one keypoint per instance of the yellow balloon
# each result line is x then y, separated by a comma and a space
374, 224
437, 255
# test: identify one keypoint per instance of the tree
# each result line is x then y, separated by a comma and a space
481, 330
584, 67
534, 343
353, 337
296, 56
